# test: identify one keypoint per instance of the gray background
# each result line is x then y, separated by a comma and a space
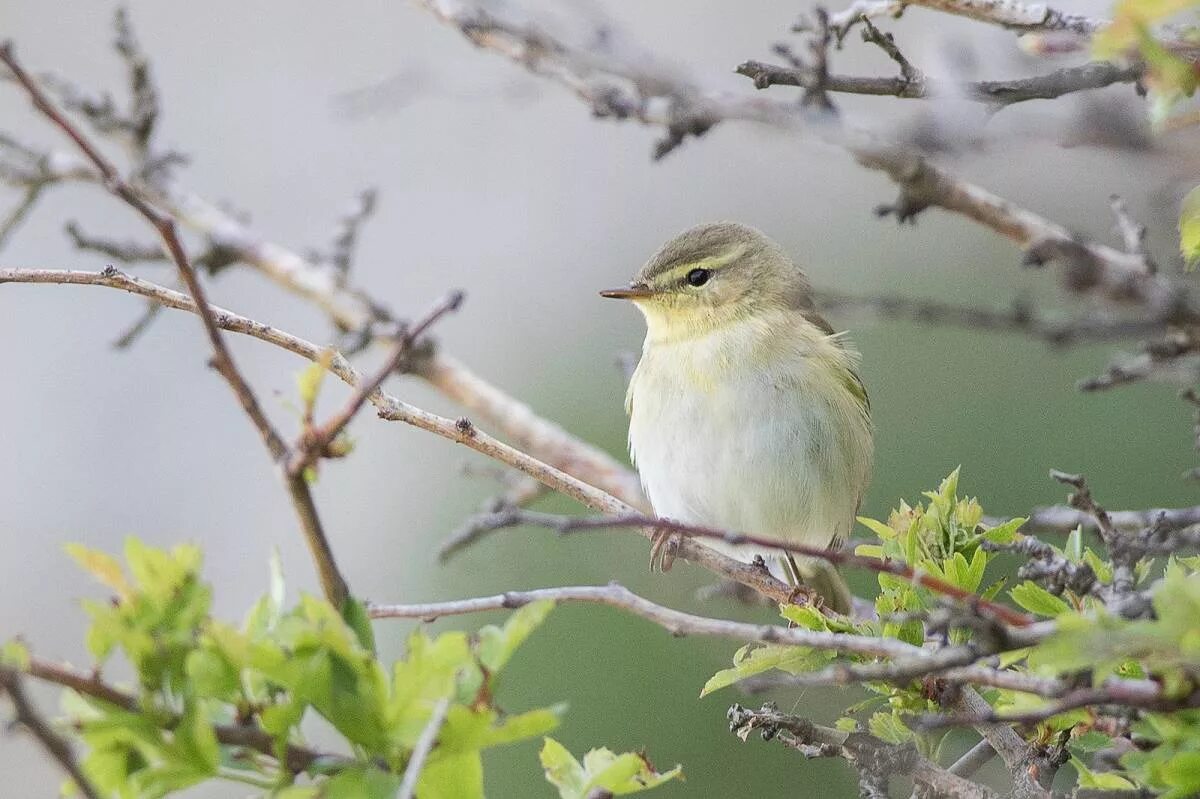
499, 184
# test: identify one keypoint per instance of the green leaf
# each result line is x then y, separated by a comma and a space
601, 771
888, 727
363, 782
497, 644
1032, 597
792, 659
458, 777
354, 612
1189, 228
102, 566
14, 654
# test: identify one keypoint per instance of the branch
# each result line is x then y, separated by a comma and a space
995, 93
54, 744
676, 622
512, 517
1021, 317
874, 759
1009, 14
461, 431
332, 581
296, 758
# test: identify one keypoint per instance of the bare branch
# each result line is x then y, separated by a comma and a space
995, 93
511, 517
54, 744
874, 759
1021, 317
296, 758
674, 621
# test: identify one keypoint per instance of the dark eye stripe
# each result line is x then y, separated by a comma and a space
698, 277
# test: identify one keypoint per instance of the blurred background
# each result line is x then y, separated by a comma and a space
502, 185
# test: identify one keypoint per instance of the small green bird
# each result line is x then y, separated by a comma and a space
746, 410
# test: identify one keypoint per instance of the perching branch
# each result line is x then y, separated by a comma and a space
513, 517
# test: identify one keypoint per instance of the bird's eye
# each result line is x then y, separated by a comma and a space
698, 277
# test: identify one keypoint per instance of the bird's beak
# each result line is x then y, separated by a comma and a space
634, 292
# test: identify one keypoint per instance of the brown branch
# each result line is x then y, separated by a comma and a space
332, 581
55, 745
873, 758
461, 431
996, 93
511, 517
296, 758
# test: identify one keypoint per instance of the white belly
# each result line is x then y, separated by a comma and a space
760, 452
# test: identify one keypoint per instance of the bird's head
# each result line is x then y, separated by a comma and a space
712, 275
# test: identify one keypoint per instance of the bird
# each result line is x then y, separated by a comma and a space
746, 410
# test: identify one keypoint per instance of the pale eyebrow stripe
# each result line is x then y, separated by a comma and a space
713, 262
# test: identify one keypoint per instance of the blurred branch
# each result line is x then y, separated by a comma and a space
1021, 317
332, 581
1008, 14
996, 93
55, 745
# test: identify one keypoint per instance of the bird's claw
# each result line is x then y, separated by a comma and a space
663, 546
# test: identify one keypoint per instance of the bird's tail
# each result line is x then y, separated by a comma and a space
822, 577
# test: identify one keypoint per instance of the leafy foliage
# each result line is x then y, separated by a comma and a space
602, 773
206, 688
945, 536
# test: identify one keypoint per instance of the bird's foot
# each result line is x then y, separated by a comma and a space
663, 546
805, 596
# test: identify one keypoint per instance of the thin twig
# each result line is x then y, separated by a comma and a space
421, 750
314, 443
54, 744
